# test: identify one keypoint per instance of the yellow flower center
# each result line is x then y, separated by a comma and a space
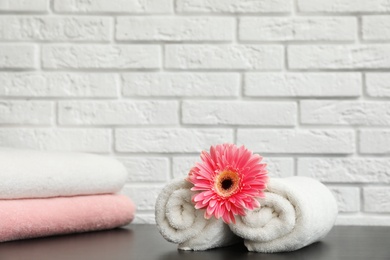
226, 183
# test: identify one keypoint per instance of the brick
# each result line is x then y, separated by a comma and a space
182, 165
144, 218
144, 196
234, 6
100, 56
181, 84
339, 57
175, 28
362, 220
24, 6
146, 169
113, 6
378, 84
19, 28
298, 29
277, 167
297, 141
83, 140
376, 27
303, 84
169, 140
266, 57
374, 141
346, 170
14, 56
26, 112
118, 112
32, 84
348, 198
343, 6
239, 113
336, 112
376, 199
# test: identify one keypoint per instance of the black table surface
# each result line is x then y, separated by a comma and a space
141, 242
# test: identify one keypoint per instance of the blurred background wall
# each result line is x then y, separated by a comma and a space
305, 83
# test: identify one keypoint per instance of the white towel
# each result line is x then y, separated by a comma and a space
179, 222
295, 212
38, 174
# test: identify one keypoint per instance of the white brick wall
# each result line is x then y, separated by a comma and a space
334, 57
343, 6
175, 29
376, 27
113, 6
66, 139
118, 112
256, 113
100, 56
305, 83
348, 198
20, 112
41, 84
298, 29
335, 112
229, 57
280, 141
24, 6
67, 28
375, 199
18, 56
181, 84
234, 6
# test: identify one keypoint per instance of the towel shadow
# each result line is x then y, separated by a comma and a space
90, 245
231, 252
319, 250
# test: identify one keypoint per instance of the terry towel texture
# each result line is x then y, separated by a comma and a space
39, 174
28, 218
179, 222
51, 193
295, 212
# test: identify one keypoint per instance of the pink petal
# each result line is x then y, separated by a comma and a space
198, 197
228, 206
252, 174
210, 210
212, 203
213, 154
243, 160
219, 212
231, 218
206, 158
199, 205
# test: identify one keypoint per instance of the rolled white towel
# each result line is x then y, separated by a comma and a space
295, 212
39, 174
179, 222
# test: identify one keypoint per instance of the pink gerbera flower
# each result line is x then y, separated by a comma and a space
229, 179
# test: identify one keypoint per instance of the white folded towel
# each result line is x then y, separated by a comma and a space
295, 212
179, 222
38, 174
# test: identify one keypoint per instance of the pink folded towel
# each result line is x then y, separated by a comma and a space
29, 218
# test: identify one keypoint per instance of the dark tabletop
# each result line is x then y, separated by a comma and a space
143, 242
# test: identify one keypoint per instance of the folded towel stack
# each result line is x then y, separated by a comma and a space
295, 212
51, 193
